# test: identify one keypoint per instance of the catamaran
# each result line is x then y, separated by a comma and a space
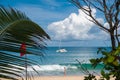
61, 50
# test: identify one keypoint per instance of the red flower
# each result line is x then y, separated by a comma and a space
22, 49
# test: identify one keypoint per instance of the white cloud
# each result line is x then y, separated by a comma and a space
76, 26
106, 25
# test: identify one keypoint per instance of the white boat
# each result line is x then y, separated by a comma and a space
61, 50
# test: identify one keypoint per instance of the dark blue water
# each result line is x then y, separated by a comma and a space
73, 53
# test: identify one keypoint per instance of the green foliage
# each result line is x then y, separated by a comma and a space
95, 62
16, 28
90, 77
111, 61
117, 51
111, 65
105, 75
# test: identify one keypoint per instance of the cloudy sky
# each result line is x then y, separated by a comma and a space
63, 22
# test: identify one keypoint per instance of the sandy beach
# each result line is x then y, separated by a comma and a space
64, 78
57, 78
60, 78
54, 78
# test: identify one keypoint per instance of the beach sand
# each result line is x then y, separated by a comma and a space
57, 78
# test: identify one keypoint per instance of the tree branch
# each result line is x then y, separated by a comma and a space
100, 27
89, 13
94, 5
99, 24
117, 20
117, 36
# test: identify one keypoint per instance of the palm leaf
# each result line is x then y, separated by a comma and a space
16, 28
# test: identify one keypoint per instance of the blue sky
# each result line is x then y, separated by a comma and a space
62, 21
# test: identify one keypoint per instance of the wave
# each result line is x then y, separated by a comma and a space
56, 67
61, 67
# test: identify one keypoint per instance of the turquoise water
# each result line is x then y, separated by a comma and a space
54, 63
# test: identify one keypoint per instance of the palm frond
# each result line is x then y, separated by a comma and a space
9, 15
16, 28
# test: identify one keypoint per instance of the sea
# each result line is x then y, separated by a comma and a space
73, 62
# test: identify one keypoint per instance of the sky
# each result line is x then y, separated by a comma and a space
65, 23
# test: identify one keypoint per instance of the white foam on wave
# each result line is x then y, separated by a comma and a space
51, 67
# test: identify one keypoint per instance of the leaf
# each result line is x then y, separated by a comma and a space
105, 75
102, 73
100, 50
105, 60
95, 62
116, 63
110, 59
117, 51
105, 53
